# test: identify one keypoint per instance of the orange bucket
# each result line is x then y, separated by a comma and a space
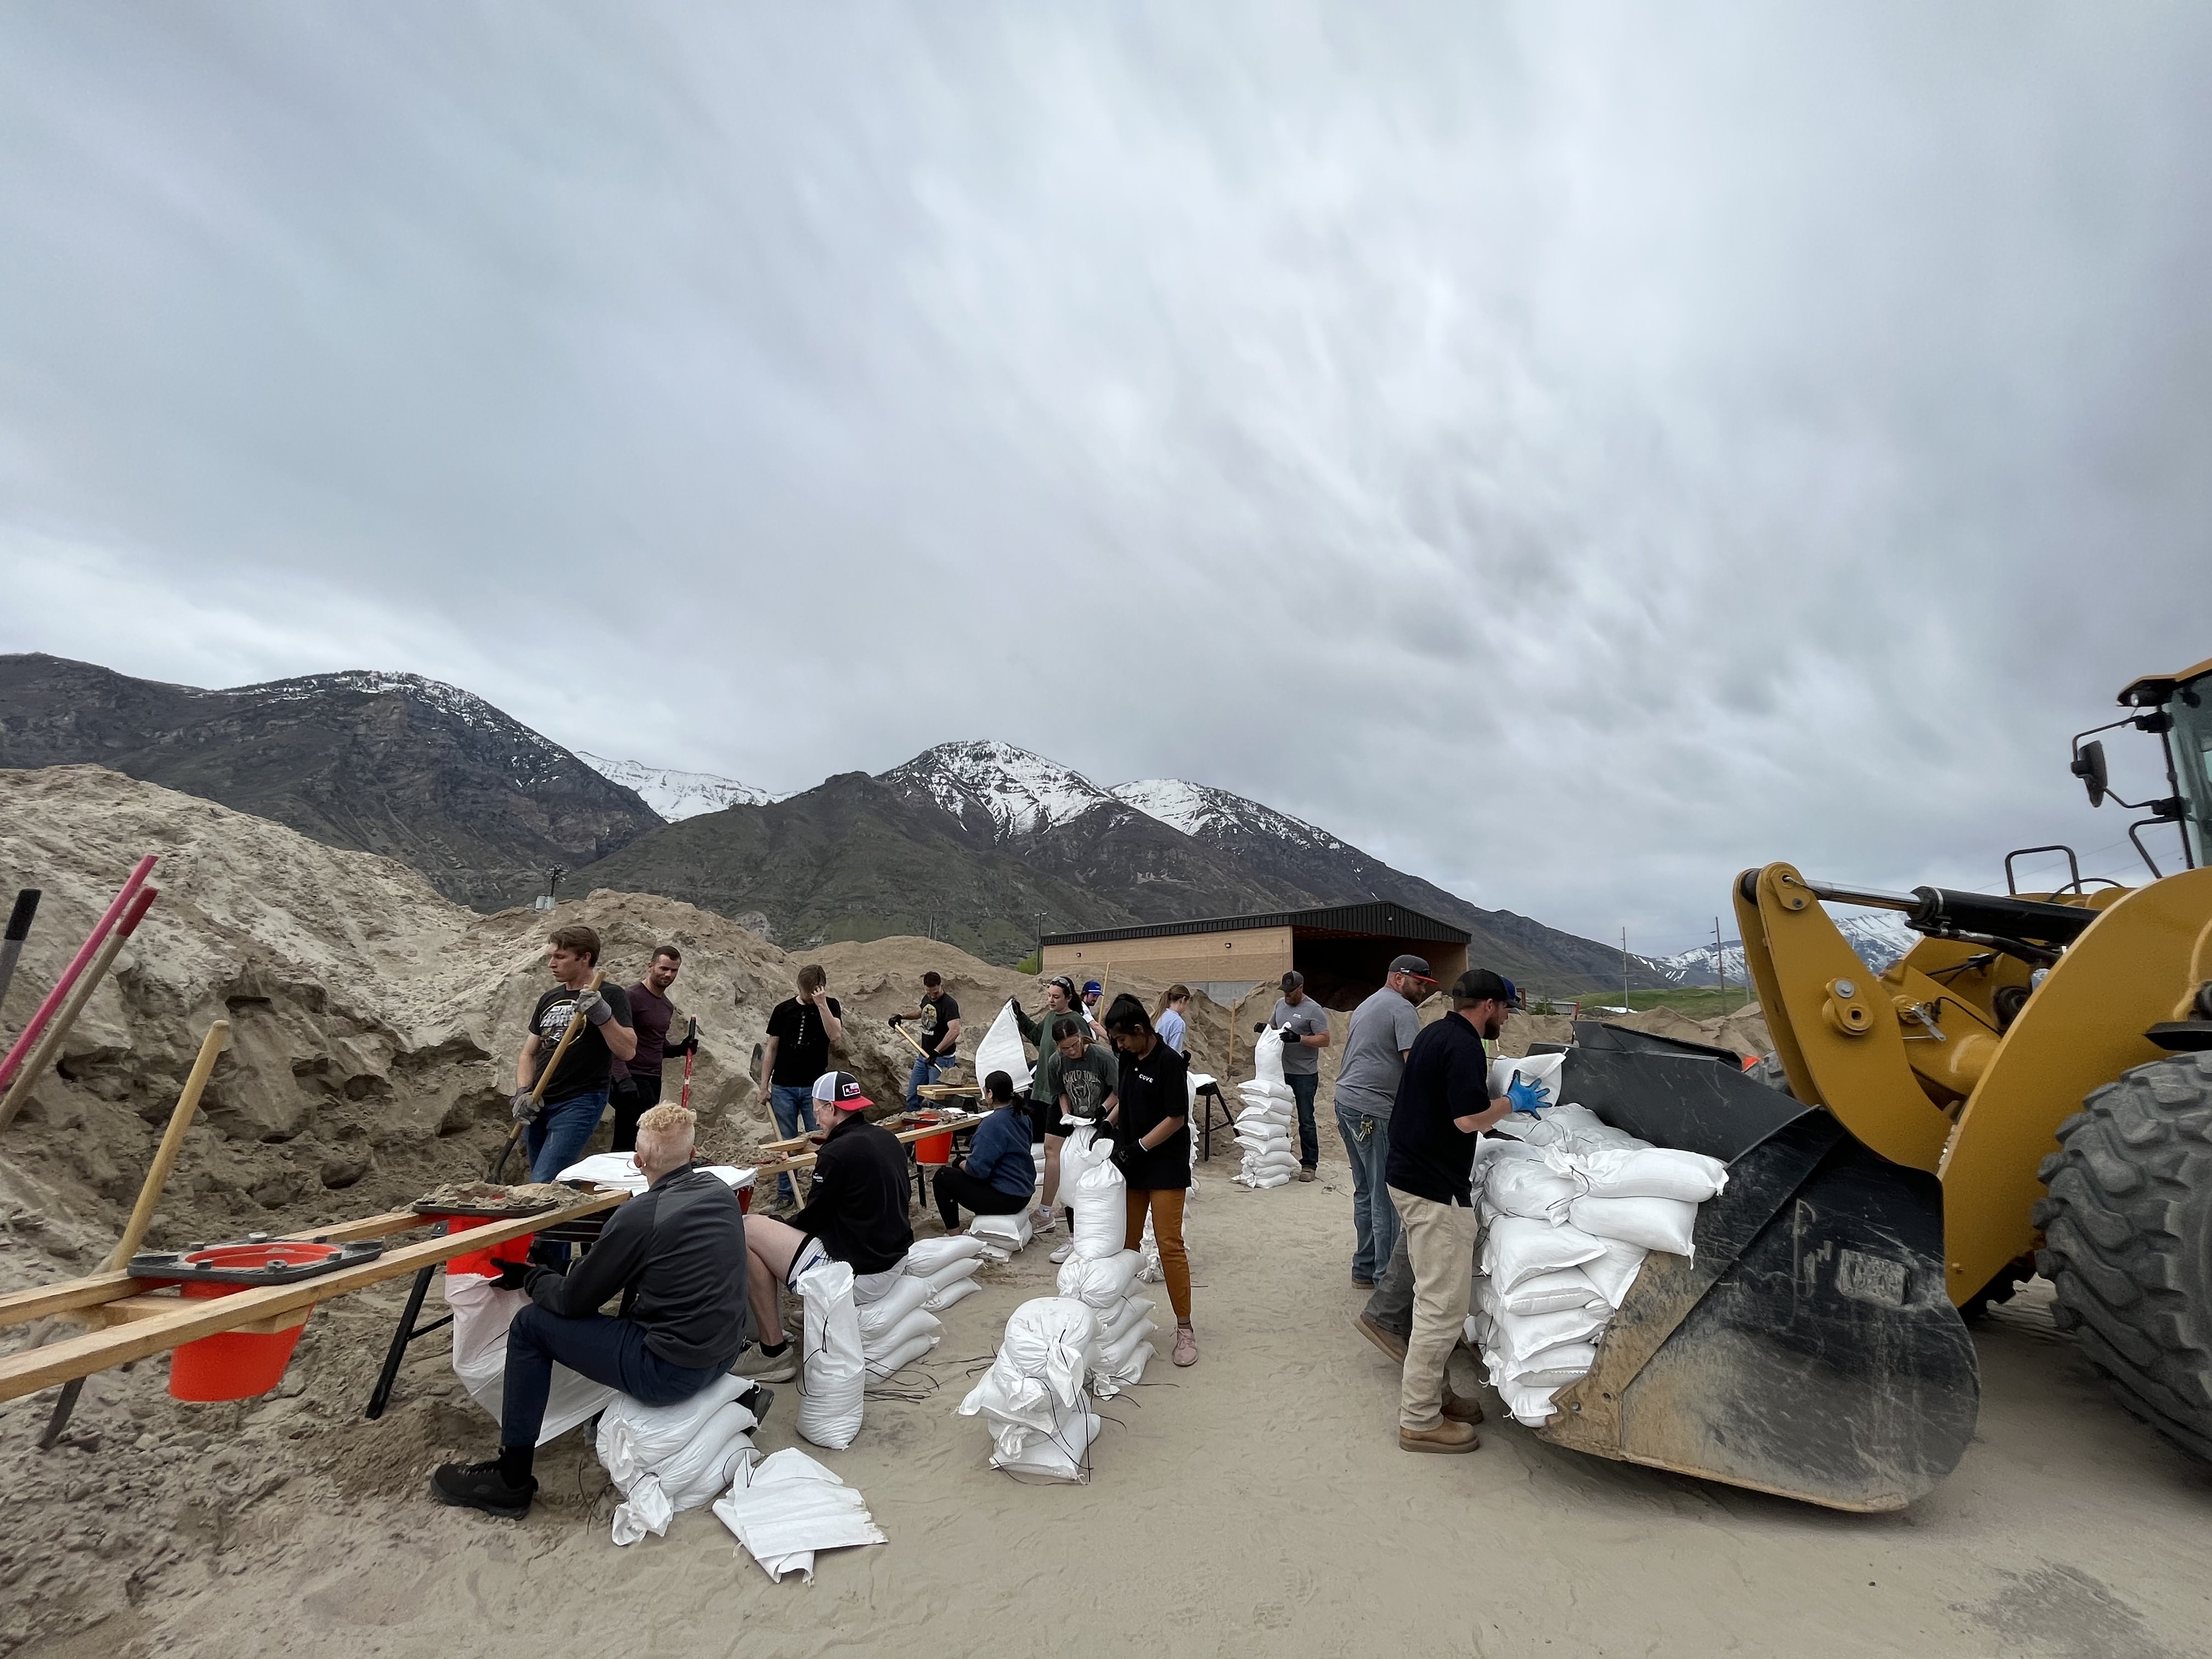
238, 1365
934, 1149
485, 1262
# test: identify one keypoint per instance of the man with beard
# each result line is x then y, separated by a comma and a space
1443, 1106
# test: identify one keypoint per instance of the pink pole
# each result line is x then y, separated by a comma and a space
86, 952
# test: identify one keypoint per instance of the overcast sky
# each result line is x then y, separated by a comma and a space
1596, 448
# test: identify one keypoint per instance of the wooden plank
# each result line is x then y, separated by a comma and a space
96, 1351
43, 1301
779, 1166
126, 1308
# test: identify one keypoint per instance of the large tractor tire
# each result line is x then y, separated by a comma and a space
2128, 1241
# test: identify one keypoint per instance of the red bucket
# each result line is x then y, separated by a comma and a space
238, 1365
485, 1262
934, 1149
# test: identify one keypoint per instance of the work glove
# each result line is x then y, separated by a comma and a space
689, 1046
1525, 1096
626, 1087
1290, 1039
897, 1020
512, 1275
594, 1007
524, 1105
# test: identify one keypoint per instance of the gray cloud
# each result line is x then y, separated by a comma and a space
1572, 453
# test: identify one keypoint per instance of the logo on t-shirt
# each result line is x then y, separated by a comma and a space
1086, 1091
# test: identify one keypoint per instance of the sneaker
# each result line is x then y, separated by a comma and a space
1359, 1283
1446, 1436
759, 1399
481, 1486
1389, 1341
1061, 1254
1461, 1409
1040, 1221
763, 1367
1305, 1175
1186, 1345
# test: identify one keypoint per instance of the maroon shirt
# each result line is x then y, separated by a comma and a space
649, 1015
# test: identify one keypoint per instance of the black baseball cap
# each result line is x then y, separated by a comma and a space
1481, 984
841, 1089
1415, 966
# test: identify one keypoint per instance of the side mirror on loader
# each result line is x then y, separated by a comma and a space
2089, 767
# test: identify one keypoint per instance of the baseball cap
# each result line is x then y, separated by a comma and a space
1091, 985
1482, 985
1293, 980
1415, 966
841, 1089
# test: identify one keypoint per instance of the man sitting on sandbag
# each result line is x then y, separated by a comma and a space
857, 1210
676, 1255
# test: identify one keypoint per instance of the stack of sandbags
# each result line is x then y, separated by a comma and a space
670, 1458
1001, 1236
1032, 1398
1569, 1207
1103, 1284
1263, 1121
833, 1373
947, 1265
896, 1327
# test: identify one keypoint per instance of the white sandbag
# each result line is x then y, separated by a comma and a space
953, 1272
1516, 1249
1570, 1287
1259, 1183
1541, 1070
1060, 1455
1113, 1359
1005, 1399
882, 1315
1005, 1234
1648, 1172
1098, 1197
1564, 1125
1657, 1224
668, 1458
1549, 1368
1100, 1282
960, 1288
1616, 1270
833, 1379
1002, 1050
1267, 1109
873, 1287
1127, 1374
1529, 1186
1268, 1058
1530, 1407
1119, 1320
898, 1357
1282, 1159
918, 1323
634, 1439
926, 1255
1517, 1336
1053, 1337
482, 1313
788, 1508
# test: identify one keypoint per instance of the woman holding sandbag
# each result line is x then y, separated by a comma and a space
1151, 1148
998, 1174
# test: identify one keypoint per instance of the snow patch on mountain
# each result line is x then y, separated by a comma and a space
1016, 792
1216, 815
535, 760
1879, 937
675, 794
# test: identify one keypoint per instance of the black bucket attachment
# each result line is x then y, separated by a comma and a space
1811, 1349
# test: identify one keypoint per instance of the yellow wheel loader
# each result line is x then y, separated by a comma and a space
2030, 1088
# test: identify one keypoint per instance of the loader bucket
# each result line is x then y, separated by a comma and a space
1810, 1349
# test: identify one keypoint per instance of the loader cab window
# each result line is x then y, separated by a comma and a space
2192, 741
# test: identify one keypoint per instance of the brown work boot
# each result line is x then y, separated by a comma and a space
1388, 1341
1461, 1409
1446, 1436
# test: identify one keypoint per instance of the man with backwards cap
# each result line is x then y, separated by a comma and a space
856, 1213
1374, 1048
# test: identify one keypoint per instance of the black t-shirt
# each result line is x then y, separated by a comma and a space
802, 1042
932, 1020
1447, 1077
589, 1062
1153, 1090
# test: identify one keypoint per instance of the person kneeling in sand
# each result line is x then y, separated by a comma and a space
676, 1255
856, 1211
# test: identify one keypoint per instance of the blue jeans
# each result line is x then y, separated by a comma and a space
925, 1071
1374, 1217
557, 1136
1304, 1085
609, 1351
793, 1105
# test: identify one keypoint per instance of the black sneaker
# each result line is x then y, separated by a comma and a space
758, 1401
481, 1486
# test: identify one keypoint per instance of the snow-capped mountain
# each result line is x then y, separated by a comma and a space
674, 794
1879, 938
997, 789
1210, 814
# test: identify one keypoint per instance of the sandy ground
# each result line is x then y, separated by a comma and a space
1256, 1504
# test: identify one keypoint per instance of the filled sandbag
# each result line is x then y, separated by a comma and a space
1645, 1172
666, 1459
1516, 1249
1517, 1336
869, 1287
1529, 1186
1657, 1224
1100, 1282
882, 1315
1001, 1234
1548, 1367
926, 1255
1098, 1198
1570, 1287
833, 1377
1122, 1319
1053, 1339
1616, 1270
958, 1290
1541, 1070
482, 1313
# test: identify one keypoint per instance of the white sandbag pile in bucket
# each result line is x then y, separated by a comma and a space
1032, 1399
1103, 1284
833, 1370
666, 1459
1571, 1206
1264, 1117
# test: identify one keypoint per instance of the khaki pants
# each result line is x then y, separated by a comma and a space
1440, 1245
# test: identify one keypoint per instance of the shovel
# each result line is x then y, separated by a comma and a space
691, 1038
537, 1091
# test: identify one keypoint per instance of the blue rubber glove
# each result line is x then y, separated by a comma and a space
1525, 1096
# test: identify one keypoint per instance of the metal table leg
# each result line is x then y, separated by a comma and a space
401, 1337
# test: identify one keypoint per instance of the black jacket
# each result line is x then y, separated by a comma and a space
858, 1207
676, 1254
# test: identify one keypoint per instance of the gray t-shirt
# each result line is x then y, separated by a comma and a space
1308, 1018
1382, 1028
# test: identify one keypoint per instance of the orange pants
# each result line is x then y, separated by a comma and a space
1166, 1205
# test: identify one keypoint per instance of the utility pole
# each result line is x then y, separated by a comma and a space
1720, 963
1624, 968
